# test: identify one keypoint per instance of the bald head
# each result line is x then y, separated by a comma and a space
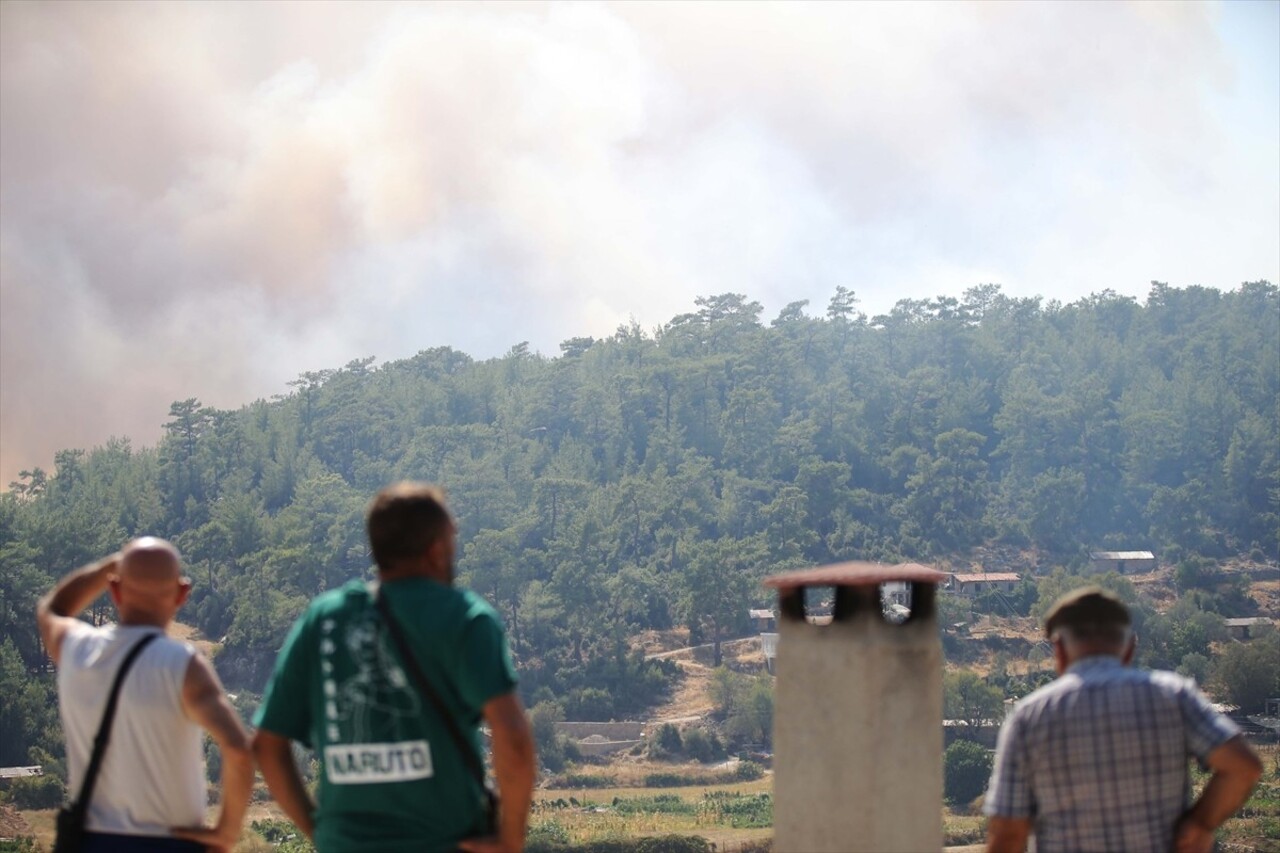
149, 587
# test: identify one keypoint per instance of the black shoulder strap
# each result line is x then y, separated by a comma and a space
104, 730
424, 687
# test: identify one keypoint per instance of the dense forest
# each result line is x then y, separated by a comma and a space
651, 479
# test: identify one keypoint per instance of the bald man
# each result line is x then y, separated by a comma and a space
150, 793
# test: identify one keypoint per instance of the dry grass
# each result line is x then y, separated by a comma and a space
631, 784
1267, 595
591, 815
180, 631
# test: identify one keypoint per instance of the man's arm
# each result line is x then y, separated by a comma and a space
1010, 801
275, 757
206, 704
1007, 834
56, 611
1236, 769
516, 767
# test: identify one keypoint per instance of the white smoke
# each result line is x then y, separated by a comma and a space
208, 199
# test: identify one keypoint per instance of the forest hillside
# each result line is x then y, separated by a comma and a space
649, 480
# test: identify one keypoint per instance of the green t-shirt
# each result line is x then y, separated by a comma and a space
392, 778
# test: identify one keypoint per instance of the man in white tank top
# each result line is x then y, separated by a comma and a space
150, 792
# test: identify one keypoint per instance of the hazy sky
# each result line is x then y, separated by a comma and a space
207, 199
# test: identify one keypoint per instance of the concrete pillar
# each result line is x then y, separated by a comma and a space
858, 716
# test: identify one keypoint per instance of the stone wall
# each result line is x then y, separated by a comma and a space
628, 730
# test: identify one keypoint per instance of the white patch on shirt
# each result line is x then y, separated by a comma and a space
369, 763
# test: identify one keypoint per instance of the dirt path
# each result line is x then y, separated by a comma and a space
12, 824
691, 701
180, 631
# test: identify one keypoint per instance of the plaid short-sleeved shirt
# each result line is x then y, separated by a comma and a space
1098, 759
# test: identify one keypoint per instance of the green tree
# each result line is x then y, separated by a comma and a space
716, 590
967, 697
550, 744
1247, 674
966, 769
29, 712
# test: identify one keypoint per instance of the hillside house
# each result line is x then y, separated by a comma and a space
1122, 562
895, 592
763, 620
769, 645
980, 582
1245, 628
21, 772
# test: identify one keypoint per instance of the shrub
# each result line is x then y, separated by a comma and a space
582, 780
745, 771
742, 811
758, 845
661, 804
667, 780
551, 745
25, 844
588, 703
36, 792
656, 844
701, 746
667, 742
282, 835
547, 832
967, 767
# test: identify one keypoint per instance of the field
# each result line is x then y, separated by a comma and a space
629, 797
735, 817
726, 814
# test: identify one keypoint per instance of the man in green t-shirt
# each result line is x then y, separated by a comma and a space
391, 776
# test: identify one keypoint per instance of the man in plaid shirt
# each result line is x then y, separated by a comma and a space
1097, 760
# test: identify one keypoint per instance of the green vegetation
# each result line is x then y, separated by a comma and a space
968, 697
282, 835
654, 844
19, 845
745, 705
647, 480
743, 771
663, 814
966, 769
34, 792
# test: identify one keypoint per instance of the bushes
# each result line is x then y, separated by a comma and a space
746, 705
588, 703
36, 792
553, 748
967, 767
613, 686
655, 844
661, 804
696, 743
282, 835
669, 780
545, 834
666, 742
582, 780
703, 746
742, 811
744, 771
26, 844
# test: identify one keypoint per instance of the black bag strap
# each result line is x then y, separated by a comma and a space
104, 730
424, 687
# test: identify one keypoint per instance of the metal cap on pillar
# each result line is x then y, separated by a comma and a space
858, 714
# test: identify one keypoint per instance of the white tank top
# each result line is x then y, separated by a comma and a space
152, 777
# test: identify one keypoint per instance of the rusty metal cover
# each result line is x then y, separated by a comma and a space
855, 574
